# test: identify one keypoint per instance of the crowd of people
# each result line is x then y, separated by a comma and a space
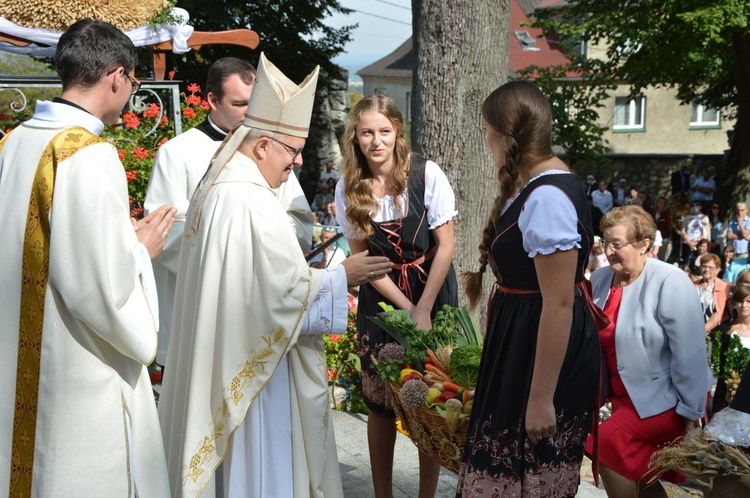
583, 308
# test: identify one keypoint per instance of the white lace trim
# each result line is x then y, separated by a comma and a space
557, 247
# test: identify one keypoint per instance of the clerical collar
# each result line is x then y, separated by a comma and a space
211, 130
60, 100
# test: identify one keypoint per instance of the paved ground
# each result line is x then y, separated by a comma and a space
354, 460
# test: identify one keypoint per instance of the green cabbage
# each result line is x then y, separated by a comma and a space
465, 364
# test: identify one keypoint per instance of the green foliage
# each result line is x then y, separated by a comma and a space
344, 367
292, 34
465, 364
737, 356
451, 326
687, 44
693, 46
574, 107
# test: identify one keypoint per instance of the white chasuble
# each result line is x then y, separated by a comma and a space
179, 166
97, 431
246, 358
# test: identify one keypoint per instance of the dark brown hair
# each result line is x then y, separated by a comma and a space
521, 116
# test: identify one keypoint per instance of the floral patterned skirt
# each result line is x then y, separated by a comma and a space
498, 458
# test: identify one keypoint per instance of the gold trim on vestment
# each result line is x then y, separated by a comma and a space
34, 275
242, 380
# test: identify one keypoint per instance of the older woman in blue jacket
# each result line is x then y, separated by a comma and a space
655, 370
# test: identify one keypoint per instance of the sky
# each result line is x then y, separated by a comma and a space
383, 26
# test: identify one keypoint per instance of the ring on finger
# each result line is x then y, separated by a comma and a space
372, 275
165, 234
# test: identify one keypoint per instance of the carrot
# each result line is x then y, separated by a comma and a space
467, 396
437, 370
451, 386
434, 359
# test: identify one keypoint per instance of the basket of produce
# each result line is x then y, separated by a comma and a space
431, 378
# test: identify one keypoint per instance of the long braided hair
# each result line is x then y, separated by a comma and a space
520, 116
357, 175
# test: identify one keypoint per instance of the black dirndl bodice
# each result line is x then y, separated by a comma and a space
407, 242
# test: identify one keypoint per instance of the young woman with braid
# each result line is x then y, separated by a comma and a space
538, 381
398, 205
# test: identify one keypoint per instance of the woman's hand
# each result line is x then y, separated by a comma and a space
540, 420
421, 318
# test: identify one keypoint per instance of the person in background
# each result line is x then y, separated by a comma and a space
694, 260
77, 299
738, 233
704, 187
680, 180
695, 227
332, 255
655, 372
622, 192
743, 278
182, 162
602, 199
679, 211
323, 198
541, 349
727, 272
591, 185
329, 173
597, 258
394, 203
646, 201
663, 220
718, 228
713, 292
738, 323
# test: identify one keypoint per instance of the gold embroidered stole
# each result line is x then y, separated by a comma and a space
35, 271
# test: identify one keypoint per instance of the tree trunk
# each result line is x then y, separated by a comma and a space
461, 52
736, 176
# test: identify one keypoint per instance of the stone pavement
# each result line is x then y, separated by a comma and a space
354, 461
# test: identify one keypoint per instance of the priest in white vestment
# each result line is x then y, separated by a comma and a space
182, 162
77, 305
244, 406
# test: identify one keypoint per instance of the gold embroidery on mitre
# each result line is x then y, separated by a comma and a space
34, 274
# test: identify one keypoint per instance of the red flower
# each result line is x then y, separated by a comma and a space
170, 75
188, 113
140, 152
121, 153
204, 105
193, 88
136, 211
131, 175
130, 120
152, 111
334, 337
163, 122
4, 117
193, 100
162, 141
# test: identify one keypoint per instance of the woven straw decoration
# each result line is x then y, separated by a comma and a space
58, 15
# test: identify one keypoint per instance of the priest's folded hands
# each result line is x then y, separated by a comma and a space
361, 268
152, 230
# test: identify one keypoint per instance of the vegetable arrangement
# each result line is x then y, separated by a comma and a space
436, 369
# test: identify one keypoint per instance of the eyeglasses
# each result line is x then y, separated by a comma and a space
616, 246
291, 150
135, 83
705, 267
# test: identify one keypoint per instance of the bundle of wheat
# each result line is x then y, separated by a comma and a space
59, 14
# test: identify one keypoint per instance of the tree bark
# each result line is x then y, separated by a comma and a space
736, 177
461, 52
